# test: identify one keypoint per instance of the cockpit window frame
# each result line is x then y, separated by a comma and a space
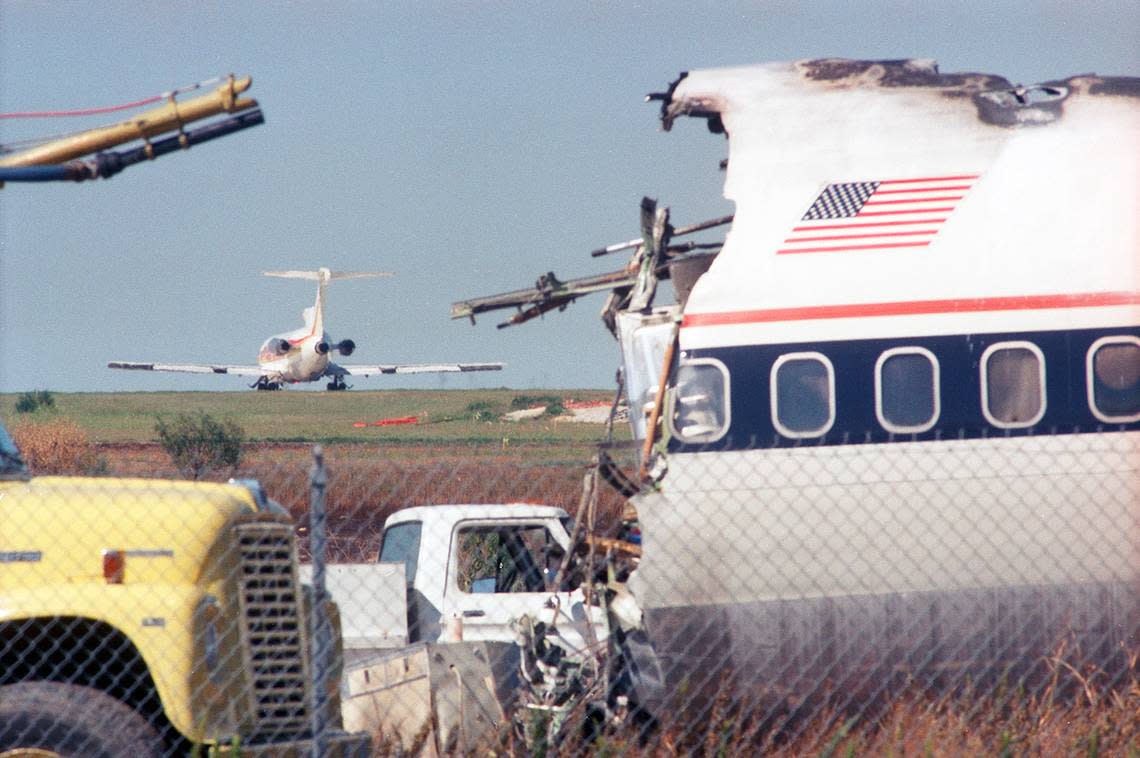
708, 438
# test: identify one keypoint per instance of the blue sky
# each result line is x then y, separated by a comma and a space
468, 147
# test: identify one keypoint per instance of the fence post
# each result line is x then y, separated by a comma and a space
320, 633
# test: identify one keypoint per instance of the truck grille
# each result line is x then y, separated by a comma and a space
273, 631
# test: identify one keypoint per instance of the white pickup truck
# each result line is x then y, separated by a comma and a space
472, 569
430, 629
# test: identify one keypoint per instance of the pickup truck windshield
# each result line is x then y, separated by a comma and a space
11, 464
402, 545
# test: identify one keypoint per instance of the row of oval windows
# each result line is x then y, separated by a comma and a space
907, 396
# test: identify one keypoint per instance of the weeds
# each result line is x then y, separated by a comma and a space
482, 411
58, 446
553, 404
197, 443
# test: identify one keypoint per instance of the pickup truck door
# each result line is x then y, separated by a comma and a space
501, 571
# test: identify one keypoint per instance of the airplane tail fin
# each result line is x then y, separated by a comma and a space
315, 316
324, 275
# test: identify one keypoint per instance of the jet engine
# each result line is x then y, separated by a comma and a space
345, 347
279, 346
321, 347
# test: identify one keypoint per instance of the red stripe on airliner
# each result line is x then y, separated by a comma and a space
914, 308
872, 223
930, 179
312, 333
841, 248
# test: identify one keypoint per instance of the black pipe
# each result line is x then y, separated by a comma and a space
59, 173
106, 165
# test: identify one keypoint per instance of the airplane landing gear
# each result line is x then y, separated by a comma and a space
337, 384
263, 383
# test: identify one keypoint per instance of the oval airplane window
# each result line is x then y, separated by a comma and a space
1013, 384
906, 390
803, 395
1114, 379
700, 401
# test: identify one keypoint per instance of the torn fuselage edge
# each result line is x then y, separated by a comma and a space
998, 102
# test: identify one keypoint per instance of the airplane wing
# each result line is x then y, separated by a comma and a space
409, 368
189, 368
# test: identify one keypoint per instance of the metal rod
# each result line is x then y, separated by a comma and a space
678, 232
108, 164
165, 118
197, 136
321, 645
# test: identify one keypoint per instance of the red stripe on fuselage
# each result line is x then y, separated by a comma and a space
914, 308
312, 333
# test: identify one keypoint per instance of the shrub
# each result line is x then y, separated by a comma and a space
481, 411
519, 402
553, 403
57, 447
197, 443
32, 400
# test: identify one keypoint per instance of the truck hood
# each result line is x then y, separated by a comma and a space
164, 528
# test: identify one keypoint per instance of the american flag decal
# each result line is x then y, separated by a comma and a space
877, 215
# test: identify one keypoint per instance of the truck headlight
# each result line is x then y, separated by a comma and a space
210, 613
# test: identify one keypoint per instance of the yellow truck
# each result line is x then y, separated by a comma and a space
145, 618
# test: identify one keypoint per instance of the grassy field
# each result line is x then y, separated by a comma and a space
466, 418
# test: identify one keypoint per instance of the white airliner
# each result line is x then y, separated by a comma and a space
302, 355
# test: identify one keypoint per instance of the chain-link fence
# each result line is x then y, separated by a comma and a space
958, 595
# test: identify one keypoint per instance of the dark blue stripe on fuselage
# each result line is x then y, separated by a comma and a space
750, 366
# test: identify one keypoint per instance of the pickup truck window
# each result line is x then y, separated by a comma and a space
506, 558
402, 545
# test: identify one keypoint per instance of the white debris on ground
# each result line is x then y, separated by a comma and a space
525, 413
587, 413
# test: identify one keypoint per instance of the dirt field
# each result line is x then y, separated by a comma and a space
368, 482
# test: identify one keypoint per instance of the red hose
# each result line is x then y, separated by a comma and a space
84, 111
